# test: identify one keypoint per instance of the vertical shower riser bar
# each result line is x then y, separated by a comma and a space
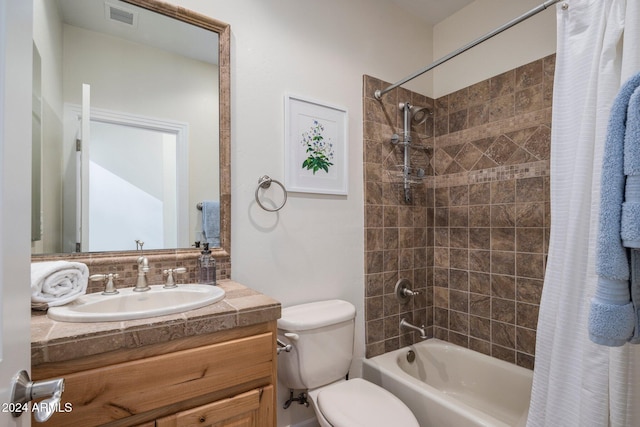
407, 142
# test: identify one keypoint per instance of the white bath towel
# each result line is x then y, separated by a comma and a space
55, 283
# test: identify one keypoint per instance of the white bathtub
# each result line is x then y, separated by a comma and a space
451, 386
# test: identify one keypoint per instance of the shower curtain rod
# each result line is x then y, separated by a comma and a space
534, 11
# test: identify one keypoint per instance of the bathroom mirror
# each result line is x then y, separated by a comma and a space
132, 95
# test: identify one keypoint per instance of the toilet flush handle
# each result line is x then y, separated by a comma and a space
283, 347
286, 347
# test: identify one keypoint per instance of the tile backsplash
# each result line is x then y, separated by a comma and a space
126, 266
486, 213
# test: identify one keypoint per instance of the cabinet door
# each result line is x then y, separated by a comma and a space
107, 394
251, 409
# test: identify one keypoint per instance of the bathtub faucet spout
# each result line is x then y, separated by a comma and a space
407, 325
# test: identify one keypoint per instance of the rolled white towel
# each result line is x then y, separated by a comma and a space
56, 283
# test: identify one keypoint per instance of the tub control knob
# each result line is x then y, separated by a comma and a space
403, 291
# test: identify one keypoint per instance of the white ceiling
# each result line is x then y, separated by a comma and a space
151, 28
432, 11
164, 32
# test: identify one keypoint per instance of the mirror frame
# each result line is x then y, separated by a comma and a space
224, 63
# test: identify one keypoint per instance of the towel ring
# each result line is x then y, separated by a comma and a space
265, 182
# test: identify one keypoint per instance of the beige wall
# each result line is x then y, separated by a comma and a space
313, 248
528, 41
47, 37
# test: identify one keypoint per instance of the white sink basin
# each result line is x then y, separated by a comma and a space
129, 305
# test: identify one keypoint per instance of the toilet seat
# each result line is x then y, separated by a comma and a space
359, 403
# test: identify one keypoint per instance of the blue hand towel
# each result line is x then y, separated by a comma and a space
211, 222
612, 318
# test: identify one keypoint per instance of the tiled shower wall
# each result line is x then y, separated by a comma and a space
486, 212
398, 234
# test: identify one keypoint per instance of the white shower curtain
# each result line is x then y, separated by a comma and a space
577, 383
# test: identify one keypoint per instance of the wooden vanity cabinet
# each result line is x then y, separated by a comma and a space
222, 379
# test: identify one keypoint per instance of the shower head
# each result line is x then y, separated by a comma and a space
418, 114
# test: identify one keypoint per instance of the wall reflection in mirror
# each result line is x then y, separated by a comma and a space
126, 131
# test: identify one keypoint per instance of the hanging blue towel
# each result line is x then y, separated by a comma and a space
635, 294
612, 319
630, 225
211, 222
630, 222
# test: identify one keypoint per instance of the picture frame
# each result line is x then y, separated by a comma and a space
316, 146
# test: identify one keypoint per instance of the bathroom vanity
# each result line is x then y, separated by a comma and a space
212, 366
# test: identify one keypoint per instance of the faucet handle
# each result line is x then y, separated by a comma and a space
409, 293
170, 284
403, 292
110, 287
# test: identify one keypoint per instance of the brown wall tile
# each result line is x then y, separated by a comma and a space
398, 236
476, 238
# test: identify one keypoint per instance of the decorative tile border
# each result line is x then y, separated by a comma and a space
493, 129
500, 173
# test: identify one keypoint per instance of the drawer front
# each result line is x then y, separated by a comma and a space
250, 409
102, 395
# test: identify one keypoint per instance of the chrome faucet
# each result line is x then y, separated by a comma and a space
143, 268
171, 283
110, 287
407, 325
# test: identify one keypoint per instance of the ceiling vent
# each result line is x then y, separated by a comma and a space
119, 14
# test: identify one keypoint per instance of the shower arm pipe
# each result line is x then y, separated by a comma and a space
529, 14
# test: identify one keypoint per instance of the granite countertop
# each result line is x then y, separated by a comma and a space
53, 341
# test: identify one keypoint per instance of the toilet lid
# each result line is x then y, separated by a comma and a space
357, 402
315, 315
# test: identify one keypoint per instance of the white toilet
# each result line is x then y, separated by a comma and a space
321, 336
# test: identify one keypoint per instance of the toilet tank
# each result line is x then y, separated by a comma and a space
321, 334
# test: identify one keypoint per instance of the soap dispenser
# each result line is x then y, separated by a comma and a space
206, 267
